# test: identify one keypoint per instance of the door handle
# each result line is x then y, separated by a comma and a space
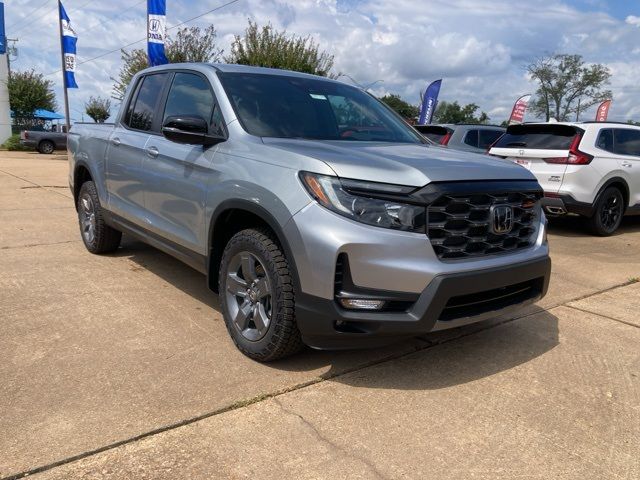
152, 152
627, 164
116, 141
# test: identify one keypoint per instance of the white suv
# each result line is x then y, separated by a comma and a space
590, 169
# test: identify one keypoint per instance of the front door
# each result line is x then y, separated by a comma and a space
178, 175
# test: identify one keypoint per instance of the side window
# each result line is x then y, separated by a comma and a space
471, 138
627, 141
605, 140
190, 95
140, 115
487, 138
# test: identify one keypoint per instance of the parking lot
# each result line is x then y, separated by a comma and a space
120, 366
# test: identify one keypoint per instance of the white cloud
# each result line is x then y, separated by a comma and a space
480, 48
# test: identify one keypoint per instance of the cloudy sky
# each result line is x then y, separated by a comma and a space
479, 47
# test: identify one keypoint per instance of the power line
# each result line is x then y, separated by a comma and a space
28, 16
49, 12
105, 22
143, 39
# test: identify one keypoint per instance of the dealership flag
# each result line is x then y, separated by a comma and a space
69, 39
519, 109
156, 31
603, 111
429, 103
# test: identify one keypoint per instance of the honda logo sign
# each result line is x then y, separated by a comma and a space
501, 217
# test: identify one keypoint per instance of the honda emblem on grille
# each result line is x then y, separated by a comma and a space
501, 219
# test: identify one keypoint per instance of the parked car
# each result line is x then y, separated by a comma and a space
590, 169
314, 225
466, 137
44, 141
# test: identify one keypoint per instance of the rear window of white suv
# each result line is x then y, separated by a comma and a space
543, 137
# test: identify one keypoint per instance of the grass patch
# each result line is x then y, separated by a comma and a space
13, 144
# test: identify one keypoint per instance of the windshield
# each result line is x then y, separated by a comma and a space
541, 137
293, 107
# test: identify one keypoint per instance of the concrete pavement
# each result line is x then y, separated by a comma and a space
130, 350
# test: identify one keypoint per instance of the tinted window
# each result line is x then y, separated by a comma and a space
189, 95
471, 138
605, 140
627, 141
544, 137
141, 116
435, 133
488, 137
294, 107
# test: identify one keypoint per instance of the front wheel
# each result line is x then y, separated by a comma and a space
257, 297
608, 213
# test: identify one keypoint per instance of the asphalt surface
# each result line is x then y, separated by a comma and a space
120, 366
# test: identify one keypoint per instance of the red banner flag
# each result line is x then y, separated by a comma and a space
603, 111
519, 109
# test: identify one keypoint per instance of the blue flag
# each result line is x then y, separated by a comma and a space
3, 37
69, 39
429, 102
156, 31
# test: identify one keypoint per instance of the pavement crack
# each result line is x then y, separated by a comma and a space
602, 315
36, 185
331, 444
30, 245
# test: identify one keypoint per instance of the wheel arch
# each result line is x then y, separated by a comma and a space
621, 184
232, 216
81, 174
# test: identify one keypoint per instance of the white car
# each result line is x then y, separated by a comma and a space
590, 169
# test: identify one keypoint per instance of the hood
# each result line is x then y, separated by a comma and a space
402, 164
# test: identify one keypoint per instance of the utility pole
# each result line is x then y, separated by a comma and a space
578, 111
5, 115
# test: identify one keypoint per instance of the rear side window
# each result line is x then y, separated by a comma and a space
605, 140
140, 116
542, 137
486, 138
189, 95
471, 138
626, 141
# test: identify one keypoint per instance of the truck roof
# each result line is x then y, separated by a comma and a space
235, 68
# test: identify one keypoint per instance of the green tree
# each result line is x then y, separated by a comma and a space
266, 47
633, 122
98, 108
191, 44
403, 108
29, 91
453, 112
567, 86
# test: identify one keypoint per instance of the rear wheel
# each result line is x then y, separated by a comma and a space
97, 236
46, 146
608, 212
257, 298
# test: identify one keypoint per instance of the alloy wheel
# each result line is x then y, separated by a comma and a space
87, 218
249, 295
611, 211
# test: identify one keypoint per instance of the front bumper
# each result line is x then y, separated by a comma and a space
450, 300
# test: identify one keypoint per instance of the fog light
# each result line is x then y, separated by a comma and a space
361, 304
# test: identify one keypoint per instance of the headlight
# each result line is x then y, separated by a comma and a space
341, 197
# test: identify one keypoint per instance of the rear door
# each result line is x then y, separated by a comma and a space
541, 148
126, 150
626, 145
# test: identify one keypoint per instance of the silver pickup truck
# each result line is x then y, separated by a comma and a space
318, 216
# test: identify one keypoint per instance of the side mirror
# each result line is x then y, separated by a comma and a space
190, 129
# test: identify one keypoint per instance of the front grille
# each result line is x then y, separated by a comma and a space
459, 226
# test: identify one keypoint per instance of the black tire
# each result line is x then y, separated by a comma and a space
46, 147
608, 213
104, 239
281, 337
